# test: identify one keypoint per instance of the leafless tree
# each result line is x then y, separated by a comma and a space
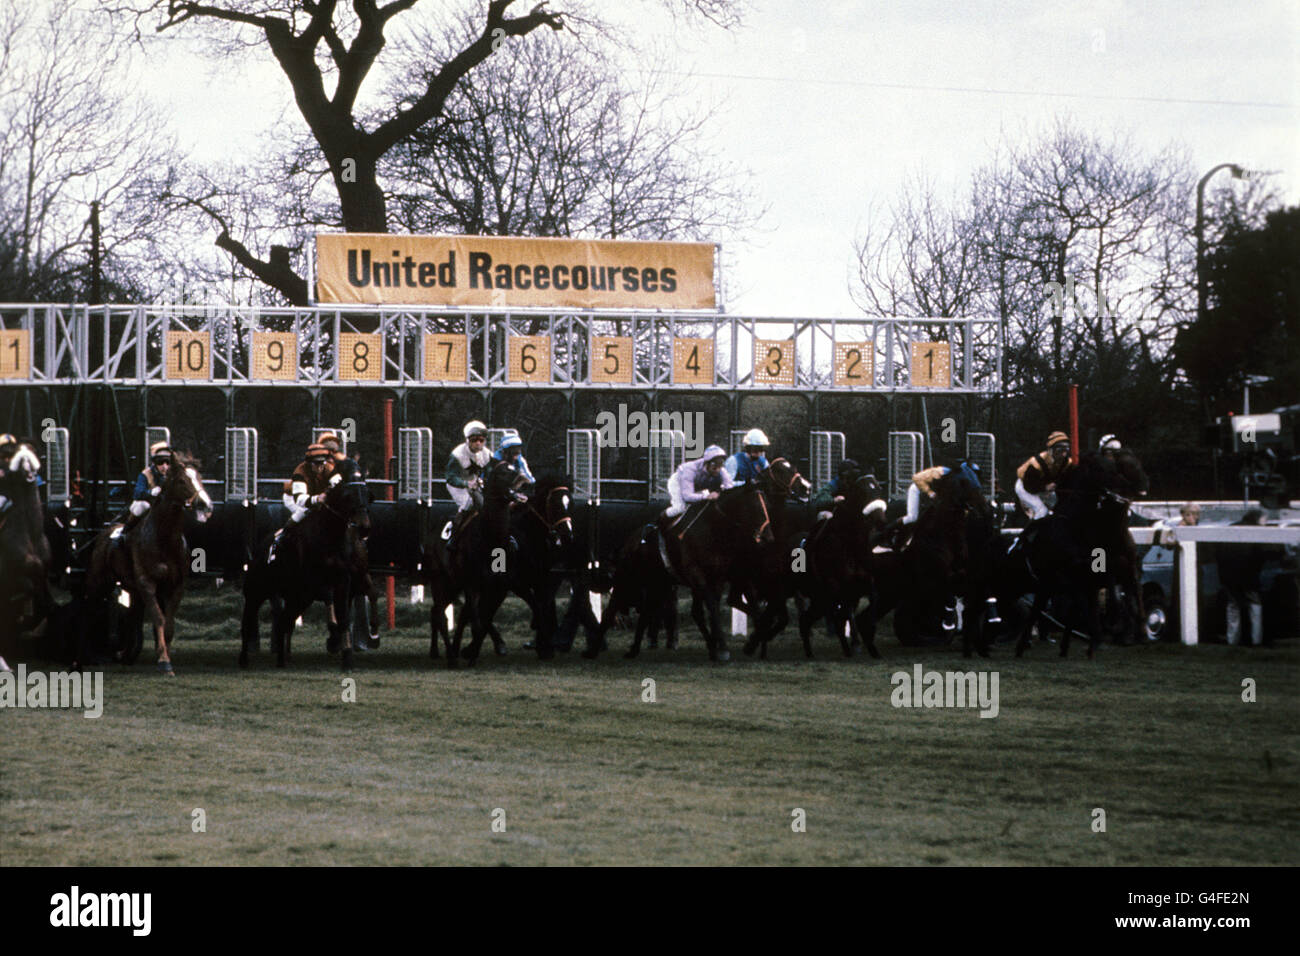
327, 50
69, 136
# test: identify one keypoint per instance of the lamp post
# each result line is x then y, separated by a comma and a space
1237, 173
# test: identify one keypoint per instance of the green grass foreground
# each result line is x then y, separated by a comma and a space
587, 773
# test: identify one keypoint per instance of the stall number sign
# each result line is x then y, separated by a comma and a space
275, 356
445, 358
692, 361
361, 357
529, 359
611, 359
931, 365
189, 355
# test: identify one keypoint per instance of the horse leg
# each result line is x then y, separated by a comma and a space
1035, 612
340, 621
248, 622
1094, 624
282, 629
719, 652
372, 608
148, 597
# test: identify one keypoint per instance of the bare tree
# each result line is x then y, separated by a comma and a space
320, 43
555, 141
70, 137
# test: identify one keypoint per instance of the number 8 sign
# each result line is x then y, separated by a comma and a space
361, 357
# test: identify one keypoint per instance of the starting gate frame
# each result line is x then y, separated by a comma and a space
415, 465
241, 466
825, 452
906, 458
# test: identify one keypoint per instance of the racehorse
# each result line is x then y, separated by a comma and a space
315, 555
151, 562
1122, 577
24, 550
543, 530
1059, 552
701, 546
641, 582
826, 570
477, 567
920, 578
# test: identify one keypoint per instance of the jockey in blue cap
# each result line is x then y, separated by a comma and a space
511, 451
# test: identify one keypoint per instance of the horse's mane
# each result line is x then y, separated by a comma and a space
183, 459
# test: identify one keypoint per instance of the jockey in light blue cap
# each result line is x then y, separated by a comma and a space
511, 451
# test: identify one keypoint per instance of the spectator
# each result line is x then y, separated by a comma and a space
1191, 517
1240, 566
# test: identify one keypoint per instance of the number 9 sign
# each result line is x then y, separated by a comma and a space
530, 359
361, 357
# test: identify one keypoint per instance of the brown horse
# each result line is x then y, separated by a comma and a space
24, 551
701, 546
151, 562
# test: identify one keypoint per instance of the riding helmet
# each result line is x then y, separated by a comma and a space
754, 438
159, 451
1109, 443
1057, 438
475, 428
317, 452
848, 466
510, 441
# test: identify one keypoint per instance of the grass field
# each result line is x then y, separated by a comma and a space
586, 772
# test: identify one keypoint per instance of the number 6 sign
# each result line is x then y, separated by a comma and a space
530, 359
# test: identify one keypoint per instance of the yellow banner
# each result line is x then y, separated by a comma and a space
510, 271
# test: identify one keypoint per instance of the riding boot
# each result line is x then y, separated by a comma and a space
1256, 624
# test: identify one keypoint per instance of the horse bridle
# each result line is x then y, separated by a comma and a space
552, 526
794, 476
331, 509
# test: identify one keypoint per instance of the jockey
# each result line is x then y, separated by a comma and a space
833, 491
332, 445
147, 486
1041, 473
309, 482
698, 480
466, 465
751, 461
923, 481
511, 451
1108, 446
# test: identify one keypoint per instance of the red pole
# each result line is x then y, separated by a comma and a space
390, 586
1074, 424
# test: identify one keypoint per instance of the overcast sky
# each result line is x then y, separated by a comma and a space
833, 104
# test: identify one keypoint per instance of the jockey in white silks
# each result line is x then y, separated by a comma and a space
698, 480
465, 466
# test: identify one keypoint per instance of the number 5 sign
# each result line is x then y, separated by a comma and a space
931, 365
530, 359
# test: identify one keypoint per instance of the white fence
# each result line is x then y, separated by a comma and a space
1188, 538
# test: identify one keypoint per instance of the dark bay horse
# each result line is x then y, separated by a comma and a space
917, 581
314, 556
151, 562
702, 545
475, 568
542, 528
25, 600
641, 583
1084, 545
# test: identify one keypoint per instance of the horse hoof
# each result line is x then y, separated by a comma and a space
724, 656
347, 659
165, 667
501, 650
374, 642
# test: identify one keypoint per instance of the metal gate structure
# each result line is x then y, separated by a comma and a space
667, 454
981, 450
582, 463
57, 473
496, 435
737, 440
906, 458
826, 451
241, 466
415, 465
